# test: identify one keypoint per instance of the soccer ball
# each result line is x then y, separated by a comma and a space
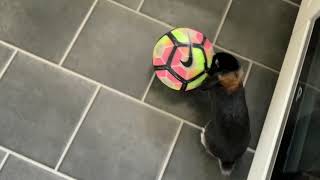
181, 58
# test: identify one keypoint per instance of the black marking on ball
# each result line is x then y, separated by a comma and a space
173, 39
189, 62
172, 53
159, 68
183, 87
196, 77
176, 75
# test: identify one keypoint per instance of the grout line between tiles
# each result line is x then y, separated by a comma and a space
97, 83
6, 66
140, 6
37, 164
310, 86
247, 74
141, 14
222, 22
83, 116
247, 59
148, 87
291, 3
250, 150
167, 159
4, 160
75, 37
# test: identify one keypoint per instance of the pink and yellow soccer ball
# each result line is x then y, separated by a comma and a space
181, 58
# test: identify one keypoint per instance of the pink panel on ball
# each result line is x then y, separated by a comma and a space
168, 79
173, 79
163, 58
209, 51
158, 61
182, 54
178, 55
180, 70
207, 44
196, 36
161, 73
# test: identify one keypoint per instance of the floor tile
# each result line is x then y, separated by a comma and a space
133, 4
2, 155
204, 15
190, 161
120, 139
192, 106
5, 54
45, 27
115, 48
259, 30
259, 91
40, 107
17, 169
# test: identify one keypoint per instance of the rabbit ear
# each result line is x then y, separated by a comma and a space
223, 62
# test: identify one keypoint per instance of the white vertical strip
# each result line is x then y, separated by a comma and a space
247, 74
140, 5
167, 159
84, 114
222, 21
77, 33
148, 88
4, 160
6, 66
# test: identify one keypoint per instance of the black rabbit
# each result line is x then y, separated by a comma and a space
227, 135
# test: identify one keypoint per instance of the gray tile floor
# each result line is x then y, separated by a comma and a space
78, 99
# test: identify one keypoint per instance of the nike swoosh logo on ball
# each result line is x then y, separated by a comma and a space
189, 62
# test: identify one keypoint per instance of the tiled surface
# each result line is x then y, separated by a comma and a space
39, 107
5, 54
189, 161
120, 139
115, 48
193, 106
17, 169
259, 30
41, 104
259, 90
42, 27
204, 15
130, 3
